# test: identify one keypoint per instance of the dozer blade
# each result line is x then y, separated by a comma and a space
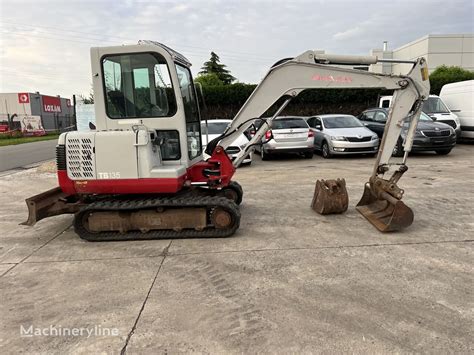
49, 203
330, 196
386, 213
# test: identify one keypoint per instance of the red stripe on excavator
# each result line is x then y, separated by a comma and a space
120, 186
219, 161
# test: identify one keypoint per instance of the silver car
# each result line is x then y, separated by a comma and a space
287, 135
342, 134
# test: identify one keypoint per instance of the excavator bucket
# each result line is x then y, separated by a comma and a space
386, 213
49, 203
330, 196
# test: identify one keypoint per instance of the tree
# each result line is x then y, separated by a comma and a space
88, 100
444, 75
213, 66
210, 79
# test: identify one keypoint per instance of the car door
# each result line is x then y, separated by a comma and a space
367, 119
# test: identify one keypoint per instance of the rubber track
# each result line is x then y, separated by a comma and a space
209, 202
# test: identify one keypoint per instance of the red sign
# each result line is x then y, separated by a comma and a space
51, 104
23, 98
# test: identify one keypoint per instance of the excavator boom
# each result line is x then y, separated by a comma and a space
381, 203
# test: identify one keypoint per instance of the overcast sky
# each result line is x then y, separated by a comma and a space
44, 45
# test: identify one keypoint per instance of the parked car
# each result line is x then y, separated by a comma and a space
429, 136
342, 134
287, 135
459, 97
214, 129
433, 107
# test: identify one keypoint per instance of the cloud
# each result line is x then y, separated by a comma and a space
45, 44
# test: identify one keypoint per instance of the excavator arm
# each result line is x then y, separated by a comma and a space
380, 203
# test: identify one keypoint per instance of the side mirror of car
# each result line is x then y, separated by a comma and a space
318, 127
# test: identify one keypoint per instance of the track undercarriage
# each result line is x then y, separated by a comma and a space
194, 213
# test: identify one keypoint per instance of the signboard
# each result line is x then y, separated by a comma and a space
51, 104
23, 98
30, 125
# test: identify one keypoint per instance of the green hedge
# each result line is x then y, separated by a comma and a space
225, 101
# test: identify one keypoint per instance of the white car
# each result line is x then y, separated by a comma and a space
214, 129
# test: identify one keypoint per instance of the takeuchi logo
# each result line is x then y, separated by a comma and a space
336, 79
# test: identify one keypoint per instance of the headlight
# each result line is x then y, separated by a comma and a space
338, 138
418, 133
242, 146
375, 137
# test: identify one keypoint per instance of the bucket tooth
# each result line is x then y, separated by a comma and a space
386, 213
330, 196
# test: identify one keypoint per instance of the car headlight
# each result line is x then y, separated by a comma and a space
338, 138
242, 146
418, 133
375, 137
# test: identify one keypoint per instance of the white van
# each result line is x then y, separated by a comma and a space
435, 108
459, 97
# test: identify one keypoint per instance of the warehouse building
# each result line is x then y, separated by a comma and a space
56, 113
450, 50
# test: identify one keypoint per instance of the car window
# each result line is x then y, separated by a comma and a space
286, 123
425, 117
214, 127
310, 122
386, 103
368, 116
341, 122
380, 117
434, 105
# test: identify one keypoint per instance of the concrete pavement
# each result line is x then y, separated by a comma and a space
15, 156
290, 281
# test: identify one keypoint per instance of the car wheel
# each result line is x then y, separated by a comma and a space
325, 151
443, 151
264, 155
308, 155
398, 149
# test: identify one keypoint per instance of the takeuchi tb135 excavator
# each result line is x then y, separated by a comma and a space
141, 173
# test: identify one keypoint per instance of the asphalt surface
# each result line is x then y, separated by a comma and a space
16, 156
289, 281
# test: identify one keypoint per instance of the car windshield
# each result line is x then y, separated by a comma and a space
434, 105
341, 122
286, 123
214, 127
425, 117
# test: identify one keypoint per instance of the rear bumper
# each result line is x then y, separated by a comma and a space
289, 150
289, 147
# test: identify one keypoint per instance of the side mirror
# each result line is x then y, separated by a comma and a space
92, 126
318, 127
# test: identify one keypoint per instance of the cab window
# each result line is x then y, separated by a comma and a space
137, 85
193, 124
